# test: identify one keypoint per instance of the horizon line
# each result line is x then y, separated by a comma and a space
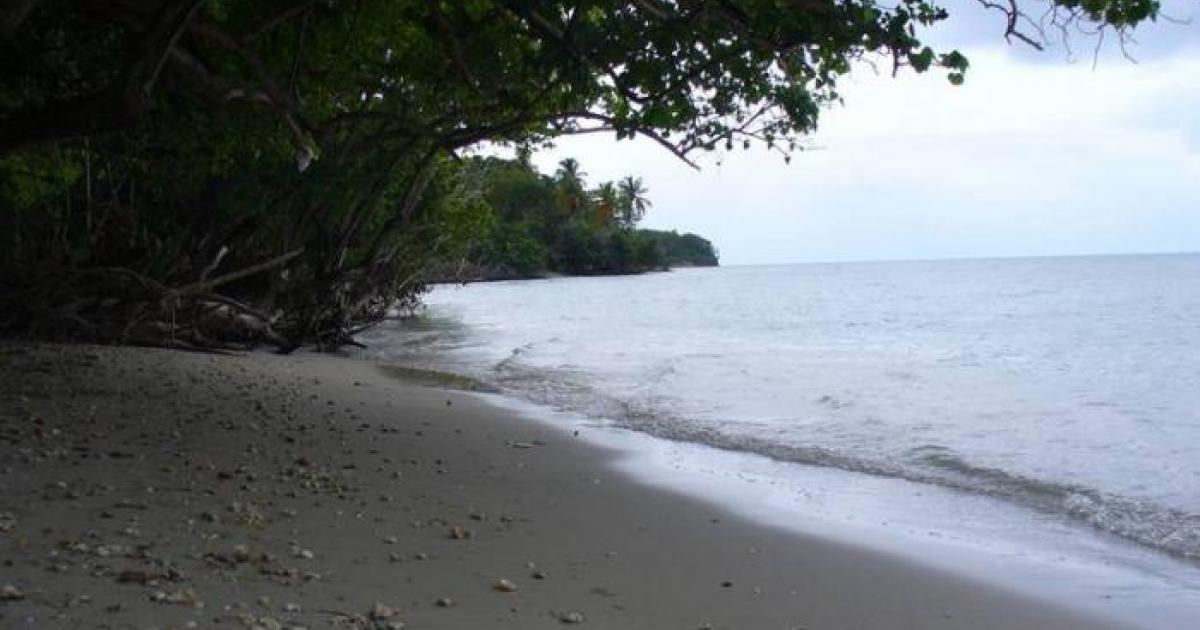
963, 258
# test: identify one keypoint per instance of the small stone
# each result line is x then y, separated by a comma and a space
504, 586
134, 576
381, 611
241, 553
185, 597
265, 623
444, 602
10, 593
291, 607
460, 533
539, 575
571, 617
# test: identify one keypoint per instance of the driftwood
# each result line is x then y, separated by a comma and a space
123, 305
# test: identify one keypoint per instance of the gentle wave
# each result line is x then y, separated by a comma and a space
1173, 531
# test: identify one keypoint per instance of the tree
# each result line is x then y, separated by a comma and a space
570, 173
633, 201
570, 187
607, 205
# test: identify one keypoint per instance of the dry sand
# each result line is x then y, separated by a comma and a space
155, 489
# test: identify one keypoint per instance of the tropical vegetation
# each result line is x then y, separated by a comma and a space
535, 225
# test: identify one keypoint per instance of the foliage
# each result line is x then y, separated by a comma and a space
683, 249
554, 224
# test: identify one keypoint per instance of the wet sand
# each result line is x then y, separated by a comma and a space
156, 489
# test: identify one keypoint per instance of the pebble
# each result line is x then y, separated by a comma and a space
185, 597
382, 611
571, 617
444, 602
10, 593
505, 586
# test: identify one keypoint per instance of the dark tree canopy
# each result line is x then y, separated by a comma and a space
284, 169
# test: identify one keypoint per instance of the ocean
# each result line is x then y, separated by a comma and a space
1061, 391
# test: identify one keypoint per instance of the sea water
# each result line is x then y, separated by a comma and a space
1054, 400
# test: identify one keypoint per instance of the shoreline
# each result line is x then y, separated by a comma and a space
148, 487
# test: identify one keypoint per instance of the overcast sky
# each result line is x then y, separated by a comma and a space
1037, 154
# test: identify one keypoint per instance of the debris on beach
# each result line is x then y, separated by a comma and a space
183, 597
381, 611
571, 617
146, 577
241, 553
252, 622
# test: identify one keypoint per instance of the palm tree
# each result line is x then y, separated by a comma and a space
606, 202
569, 171
633, 201
570, 186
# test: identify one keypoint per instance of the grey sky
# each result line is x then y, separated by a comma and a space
1035, 155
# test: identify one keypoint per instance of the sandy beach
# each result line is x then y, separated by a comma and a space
155, 489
